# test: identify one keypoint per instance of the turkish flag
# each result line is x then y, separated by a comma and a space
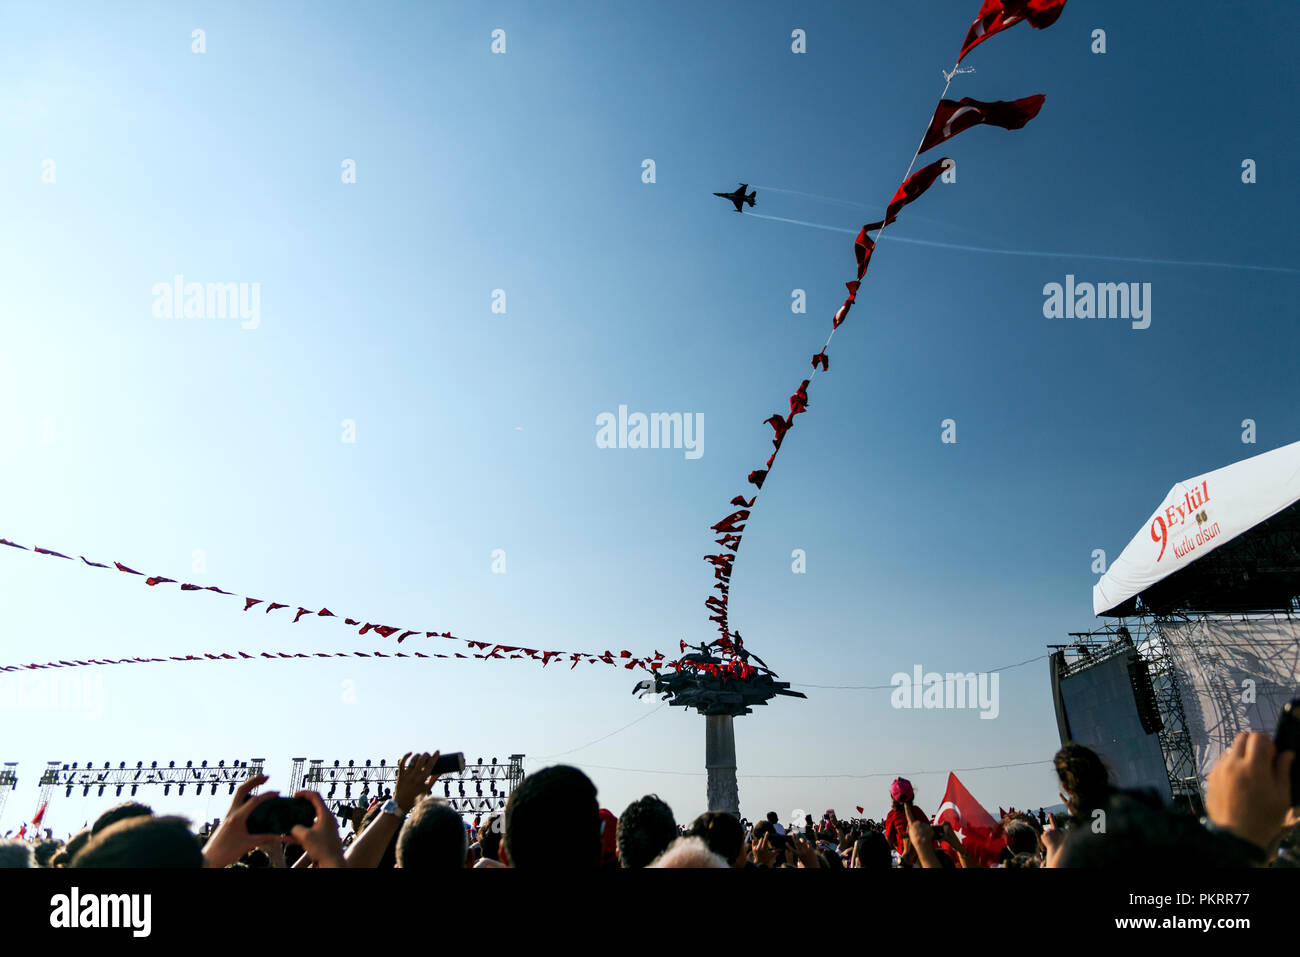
955, 116
822, 360
978, 832
863, 247
996, 15
915, 185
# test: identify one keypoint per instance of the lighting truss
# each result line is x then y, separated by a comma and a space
483, 787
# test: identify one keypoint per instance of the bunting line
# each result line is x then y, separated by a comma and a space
948, 120
485, 649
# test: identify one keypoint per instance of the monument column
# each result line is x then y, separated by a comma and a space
720, 761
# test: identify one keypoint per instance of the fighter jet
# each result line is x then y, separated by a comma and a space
739, 197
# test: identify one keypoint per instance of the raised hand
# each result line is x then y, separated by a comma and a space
321, 841
1249, 788
231, 840
414, 779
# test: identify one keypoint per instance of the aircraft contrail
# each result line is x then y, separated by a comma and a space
895, 238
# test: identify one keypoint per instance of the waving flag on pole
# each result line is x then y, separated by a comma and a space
951, 118
996, 15
978, 832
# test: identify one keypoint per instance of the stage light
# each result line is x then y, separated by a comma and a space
153, 764
119, 790
101, 791
214, 788
133, 790
333, 788
85, 792
167, 789
181, 790
171, 764
68, 792
121, 765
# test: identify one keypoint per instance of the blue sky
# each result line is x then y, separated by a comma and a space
134, 438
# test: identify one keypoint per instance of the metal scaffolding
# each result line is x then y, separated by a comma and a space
481, 788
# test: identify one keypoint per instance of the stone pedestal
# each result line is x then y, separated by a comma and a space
720, 761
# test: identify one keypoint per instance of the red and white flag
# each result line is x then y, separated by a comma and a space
915, 185
975, 828
996, 15
953, 117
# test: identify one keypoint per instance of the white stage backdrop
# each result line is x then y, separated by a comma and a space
1214, 658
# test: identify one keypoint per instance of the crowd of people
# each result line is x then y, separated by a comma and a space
553, 820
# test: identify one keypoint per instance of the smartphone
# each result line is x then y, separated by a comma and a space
279, 815
450, 763
1288, 739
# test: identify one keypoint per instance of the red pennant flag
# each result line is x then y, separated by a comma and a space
757, 477
302, 611
403, 636
350, 621
863, 247
120, 567
87, 561
821, 360
219, 591
326, 613
841, 314
189, 587
728, 524
997, 15
860, 810
780, 426
250, 602
852, 287
157, 580
46, 551
274, 605
953, 117
741, 501
799, 401
915, 185
5, 541
385, 630
979, 833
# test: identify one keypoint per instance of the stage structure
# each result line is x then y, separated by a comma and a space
69, 777
8, 781
481, 788
721, 687
1208, 595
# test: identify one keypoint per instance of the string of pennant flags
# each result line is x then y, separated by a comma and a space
949, 119
481, 650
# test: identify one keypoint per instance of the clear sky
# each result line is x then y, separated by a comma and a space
142, 439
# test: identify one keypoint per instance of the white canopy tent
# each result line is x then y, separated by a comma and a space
1197, 516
